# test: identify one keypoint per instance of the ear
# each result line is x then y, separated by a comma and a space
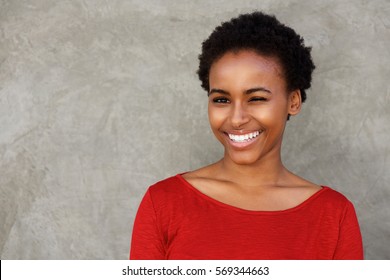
294, 102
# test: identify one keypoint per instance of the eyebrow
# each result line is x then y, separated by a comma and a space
248, 91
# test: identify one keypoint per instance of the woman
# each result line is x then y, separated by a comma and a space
248, 205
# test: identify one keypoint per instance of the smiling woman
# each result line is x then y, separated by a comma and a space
247, 96
248, 205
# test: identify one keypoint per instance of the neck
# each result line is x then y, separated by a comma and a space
267, 171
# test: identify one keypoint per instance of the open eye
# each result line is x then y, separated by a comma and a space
220, 100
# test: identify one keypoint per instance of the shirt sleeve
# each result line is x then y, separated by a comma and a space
147, 240
350, 245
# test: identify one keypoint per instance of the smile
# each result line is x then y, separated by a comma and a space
243, 137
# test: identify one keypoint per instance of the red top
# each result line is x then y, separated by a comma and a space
177, 221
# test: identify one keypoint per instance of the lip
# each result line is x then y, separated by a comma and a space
245, 144
241, 132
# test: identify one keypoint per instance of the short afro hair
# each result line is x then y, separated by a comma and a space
265, 35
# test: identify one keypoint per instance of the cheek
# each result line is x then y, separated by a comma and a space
216, 117
271, 115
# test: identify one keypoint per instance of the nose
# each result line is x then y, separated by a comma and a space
239, 116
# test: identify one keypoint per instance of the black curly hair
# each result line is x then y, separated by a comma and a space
265, 35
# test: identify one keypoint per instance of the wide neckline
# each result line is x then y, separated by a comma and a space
247, 211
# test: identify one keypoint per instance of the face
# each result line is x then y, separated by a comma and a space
249, 105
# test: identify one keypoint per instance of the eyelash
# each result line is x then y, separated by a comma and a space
258, 99
223, 100
220, 100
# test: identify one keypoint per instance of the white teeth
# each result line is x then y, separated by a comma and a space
245, 137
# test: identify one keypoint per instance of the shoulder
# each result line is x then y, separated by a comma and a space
173, 186
333, 200
319, 192
334, 195
171, 198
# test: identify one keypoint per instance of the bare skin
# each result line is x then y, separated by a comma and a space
248, 98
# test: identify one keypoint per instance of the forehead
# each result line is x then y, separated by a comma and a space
248, 58
245, 65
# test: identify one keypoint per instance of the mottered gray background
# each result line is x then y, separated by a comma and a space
99, 99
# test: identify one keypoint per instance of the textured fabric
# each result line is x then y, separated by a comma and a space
176, 221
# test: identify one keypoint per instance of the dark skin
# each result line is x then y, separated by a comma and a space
248, 108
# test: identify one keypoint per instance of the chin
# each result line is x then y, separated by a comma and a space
243, 159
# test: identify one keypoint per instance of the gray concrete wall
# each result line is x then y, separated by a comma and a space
99, 99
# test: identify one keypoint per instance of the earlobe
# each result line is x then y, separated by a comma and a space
295, 102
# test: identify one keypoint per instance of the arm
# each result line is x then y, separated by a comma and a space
147, 240
349, 246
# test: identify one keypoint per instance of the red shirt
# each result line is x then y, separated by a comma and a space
177, 221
